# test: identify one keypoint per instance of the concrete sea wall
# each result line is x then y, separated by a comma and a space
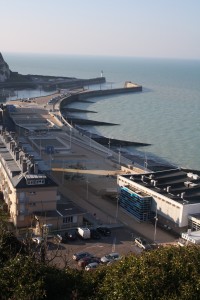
98, 93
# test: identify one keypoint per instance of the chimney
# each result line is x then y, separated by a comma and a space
11, 144
12, 133
7, 138
17, 154
29, 167
24, 166
35, 168
21, 159
31, 157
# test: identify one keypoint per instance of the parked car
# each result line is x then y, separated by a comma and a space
38, 240
104, 231
95, 234
84, 233
109, 257
71, 234
88, 260
80, 255
91, 266
142, 243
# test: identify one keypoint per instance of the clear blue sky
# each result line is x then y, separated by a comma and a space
139, 28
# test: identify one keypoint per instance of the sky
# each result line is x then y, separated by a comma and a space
137, 28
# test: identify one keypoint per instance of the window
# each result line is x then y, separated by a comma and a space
38, 181
67, 220
41, 181
30, 182
32, 193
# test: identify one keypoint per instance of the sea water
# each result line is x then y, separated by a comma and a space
165, 114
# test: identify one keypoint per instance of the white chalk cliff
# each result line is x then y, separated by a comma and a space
4, 69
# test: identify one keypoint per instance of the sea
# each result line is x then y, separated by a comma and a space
166, 114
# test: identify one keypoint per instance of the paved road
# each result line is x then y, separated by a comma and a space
108, 212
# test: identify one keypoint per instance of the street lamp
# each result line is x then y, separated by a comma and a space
117, 208
40, 148
156, 220
87, 182
49, 163
120, 156
63, 172
70, 143
145, 161
90, 139
109, 144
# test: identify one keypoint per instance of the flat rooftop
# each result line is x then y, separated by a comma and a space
175, 184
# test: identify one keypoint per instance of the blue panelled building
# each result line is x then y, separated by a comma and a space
136, 203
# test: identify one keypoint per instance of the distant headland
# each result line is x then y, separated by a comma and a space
14, 80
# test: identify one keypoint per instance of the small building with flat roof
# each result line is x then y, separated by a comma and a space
191, 236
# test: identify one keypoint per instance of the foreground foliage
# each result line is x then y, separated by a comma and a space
166, 273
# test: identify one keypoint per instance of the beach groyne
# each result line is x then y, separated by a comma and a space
82, 97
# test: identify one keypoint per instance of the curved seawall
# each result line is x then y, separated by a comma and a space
99, 93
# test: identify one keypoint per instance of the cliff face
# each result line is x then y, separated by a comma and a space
4, 70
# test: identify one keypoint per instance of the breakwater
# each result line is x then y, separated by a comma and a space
81, 96
49, 82
110, 92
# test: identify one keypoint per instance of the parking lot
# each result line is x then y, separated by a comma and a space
121, 241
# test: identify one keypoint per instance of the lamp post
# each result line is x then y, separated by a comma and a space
50, 158
145, 162
70, 141
120, 156
40, 148
63, 172
117, 208
156, 220
90, 139
109, 144
87, 182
